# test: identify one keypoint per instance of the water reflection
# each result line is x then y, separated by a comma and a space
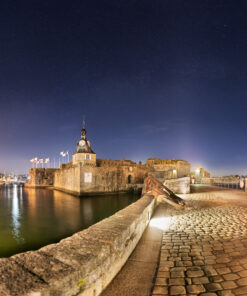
31, 218
15, 212
87, 211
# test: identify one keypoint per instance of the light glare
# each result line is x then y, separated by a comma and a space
161, 223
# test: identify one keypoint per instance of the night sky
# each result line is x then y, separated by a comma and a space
157, 78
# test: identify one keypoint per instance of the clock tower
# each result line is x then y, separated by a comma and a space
84, 154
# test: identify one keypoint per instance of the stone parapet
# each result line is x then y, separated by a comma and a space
83, 264
180, 185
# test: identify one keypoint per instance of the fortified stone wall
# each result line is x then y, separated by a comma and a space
161, 175
107, 176
183, 168
68, 179
109, 162
163, 169
40, 177
82, 180
83, 264
66, 165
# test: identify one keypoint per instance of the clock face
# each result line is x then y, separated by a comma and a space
82, 143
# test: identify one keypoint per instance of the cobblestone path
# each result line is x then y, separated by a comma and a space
204, 251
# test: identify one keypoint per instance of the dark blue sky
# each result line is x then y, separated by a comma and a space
154, 79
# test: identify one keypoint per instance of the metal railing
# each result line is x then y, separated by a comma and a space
239, 184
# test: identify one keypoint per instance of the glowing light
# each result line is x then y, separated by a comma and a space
161, 223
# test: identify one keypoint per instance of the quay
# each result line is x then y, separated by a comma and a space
200, 250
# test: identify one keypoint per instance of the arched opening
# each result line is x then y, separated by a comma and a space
129, 179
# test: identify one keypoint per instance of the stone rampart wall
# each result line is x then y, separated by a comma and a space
67, 165
180, 185
68, 179
83, 264
166, 166
40, 177
109, 162
161, 175
183, 169
102, 179
72, 178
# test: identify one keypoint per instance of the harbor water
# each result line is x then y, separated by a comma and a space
31, 218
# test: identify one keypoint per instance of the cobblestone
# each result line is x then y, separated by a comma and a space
213, 287
177, 274
204, 249
231, 277
223, 270
228, 285
200, 280
160, 290
176, 282
242, 282
194, 273
241, 291
226, 293
195, 289
177, 290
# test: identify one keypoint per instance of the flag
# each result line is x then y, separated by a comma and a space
32, 160
47, 160
41, 160
67, 153
62, 153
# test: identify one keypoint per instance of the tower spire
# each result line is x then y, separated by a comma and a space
83, 130
83, 122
